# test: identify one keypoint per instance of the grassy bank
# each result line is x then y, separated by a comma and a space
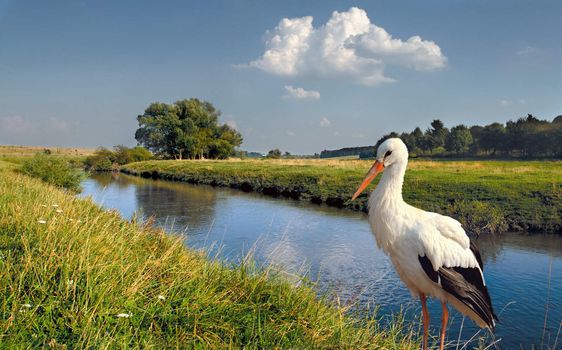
486, 196
73, 275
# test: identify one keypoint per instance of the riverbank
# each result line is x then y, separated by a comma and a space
486, 196
74, 275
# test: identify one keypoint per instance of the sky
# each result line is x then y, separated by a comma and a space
302, 76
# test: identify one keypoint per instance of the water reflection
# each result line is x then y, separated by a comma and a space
336, 249
160, 199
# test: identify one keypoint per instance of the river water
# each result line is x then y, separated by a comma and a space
336, 249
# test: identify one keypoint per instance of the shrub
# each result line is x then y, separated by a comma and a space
107, 160
54, 170
101, 160
139, 154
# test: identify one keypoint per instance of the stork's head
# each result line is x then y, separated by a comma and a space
390, 153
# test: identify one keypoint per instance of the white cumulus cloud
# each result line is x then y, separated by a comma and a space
300, 93
348, 45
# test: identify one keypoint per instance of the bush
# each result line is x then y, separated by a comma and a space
101, 160
107, 160
54, 170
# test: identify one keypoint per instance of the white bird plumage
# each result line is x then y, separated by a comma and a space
431, 252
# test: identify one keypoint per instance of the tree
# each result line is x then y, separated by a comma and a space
435, 136
186, 129
386, 137
274, 154
458, 140
493, 138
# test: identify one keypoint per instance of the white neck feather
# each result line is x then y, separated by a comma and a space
386, 202
388, 192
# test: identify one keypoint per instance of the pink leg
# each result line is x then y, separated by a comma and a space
425, 319
444, 319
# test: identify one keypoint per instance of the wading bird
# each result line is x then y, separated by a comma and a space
431, 253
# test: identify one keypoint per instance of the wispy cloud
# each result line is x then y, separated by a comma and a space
57, 124
347, 46
300, 93
507, 103
15, 124
325, 122
527, 50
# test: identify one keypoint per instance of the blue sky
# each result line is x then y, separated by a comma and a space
77, 73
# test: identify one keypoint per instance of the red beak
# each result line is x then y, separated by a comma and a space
373, 172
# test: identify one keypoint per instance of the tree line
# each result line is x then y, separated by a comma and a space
527, 137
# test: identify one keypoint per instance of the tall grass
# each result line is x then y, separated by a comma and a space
75, 276
486, 196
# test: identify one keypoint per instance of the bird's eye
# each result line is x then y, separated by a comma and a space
387, 153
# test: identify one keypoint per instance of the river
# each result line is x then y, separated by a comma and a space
336, 250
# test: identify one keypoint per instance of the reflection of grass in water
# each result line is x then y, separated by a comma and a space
486, 196
87, 279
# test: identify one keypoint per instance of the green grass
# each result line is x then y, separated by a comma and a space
19, 154
66, 271
486, 196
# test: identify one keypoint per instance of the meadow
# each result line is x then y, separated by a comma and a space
75, 276
486, 196
18, 154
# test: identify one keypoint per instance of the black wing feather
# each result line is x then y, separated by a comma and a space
466, 284
428, 268
476, 253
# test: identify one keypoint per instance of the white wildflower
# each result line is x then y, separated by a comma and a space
24, 307
124, 315
161, 297
41, 221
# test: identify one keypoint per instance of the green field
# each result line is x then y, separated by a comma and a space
486, 196
75, 276
18, 154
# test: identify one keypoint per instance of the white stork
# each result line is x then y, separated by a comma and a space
431, 253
